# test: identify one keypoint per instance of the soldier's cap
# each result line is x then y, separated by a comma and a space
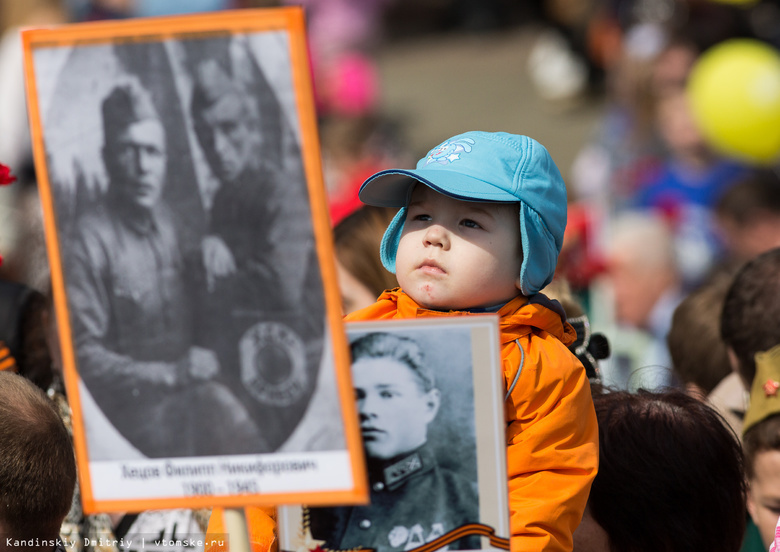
127, 103
487, 167
211, 83
765, 391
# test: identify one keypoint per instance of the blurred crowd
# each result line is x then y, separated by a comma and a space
662, 218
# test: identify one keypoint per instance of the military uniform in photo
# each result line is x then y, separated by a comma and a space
413, 501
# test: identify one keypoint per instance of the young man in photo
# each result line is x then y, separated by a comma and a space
414, 500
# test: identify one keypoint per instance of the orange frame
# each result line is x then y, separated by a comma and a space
290, 20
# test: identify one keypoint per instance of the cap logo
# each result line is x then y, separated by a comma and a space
449, 151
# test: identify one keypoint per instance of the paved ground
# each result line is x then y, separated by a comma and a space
443, 84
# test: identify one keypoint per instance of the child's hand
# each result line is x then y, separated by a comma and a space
217, 260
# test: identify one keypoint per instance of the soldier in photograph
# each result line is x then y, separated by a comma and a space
414, 499
264, 311
129, 293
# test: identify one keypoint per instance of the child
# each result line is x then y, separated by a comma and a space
761, 442
479, 230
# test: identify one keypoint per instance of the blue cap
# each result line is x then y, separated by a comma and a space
485, 166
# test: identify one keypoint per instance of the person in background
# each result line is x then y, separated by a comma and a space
670, 477
23, 347
645, 280
751, 309
699, 357
748, 216
37, 468
761, 442
686, 186
357, 238
748, 328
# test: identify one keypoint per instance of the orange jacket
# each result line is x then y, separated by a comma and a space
551, 432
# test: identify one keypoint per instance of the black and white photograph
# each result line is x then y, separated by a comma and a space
431, 422
183, 220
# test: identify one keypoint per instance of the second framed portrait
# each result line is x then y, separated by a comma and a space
429, 399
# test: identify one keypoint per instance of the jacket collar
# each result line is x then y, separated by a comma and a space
516, 318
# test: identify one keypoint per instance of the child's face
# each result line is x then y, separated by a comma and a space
394, 409
456, 255
763, 499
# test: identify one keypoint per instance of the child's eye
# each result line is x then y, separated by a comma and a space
422, 217
387, 394
470, 223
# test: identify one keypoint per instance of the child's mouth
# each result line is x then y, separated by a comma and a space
431, 267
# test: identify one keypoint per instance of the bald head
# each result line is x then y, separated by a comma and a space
642, 264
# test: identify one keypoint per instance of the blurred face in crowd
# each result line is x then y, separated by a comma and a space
677, 126
763, 499
458, 254
636, 288
354, 295
229, 135
136, 162
749, 239
394, 408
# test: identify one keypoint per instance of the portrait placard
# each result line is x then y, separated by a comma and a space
429, 395
198, 309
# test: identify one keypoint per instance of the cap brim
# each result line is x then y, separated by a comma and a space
393, 187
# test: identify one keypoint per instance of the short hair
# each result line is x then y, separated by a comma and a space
670, 474
748, 323
698, 354
755, 193
37, 466
357, 238
761, 437
401, 349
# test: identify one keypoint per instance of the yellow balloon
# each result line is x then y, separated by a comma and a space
734, 92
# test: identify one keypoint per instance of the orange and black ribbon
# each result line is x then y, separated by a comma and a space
448, 538
7, 360
465, 531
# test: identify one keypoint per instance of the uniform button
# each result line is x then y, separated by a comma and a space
365, 524
378, 486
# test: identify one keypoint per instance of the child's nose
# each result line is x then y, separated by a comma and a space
436, 235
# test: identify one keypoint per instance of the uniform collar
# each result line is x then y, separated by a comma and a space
138, 219
391, 474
